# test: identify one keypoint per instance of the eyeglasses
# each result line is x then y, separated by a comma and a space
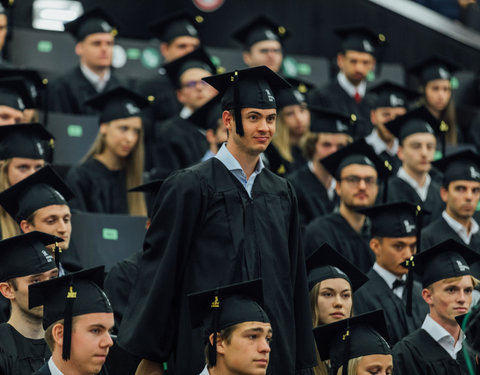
193, 84
355, 180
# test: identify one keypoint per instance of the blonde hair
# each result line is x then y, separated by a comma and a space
281, 139
455, 279
133, 169
352, 366
8, 225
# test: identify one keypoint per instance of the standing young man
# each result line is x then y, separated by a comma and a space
436, 348
95, 36
25, 261
232, 213
77, 318
357, 171
393, 241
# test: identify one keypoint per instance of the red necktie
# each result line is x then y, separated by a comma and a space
357, 97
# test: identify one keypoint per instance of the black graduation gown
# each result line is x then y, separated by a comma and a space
337, 232
208, 232
439, 231
97, 188
399, 190
4, 309
313, 200
333, 96
394, 161
20, 355
279, 165
178, 144
69, 92
419, 353
375, 294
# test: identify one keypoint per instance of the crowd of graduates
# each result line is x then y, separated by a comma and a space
292, 229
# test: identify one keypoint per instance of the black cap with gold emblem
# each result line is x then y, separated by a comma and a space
259, 29
360, 38
5, 4
31, 141
434, 67
75, 294
95, 20
295, 95
180, 23
463, 165
325, 120
15, 93
389, 94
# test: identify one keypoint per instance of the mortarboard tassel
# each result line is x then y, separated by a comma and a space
212, 349
443, 133
385, 181
56, 252
44, 104
346, 350
67, 325
236, 110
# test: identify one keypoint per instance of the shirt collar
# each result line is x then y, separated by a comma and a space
97, 81
232, 164
185, 113
53, 368
374, 140
441, 335
349, 87
386, 275
460, 229
422, 191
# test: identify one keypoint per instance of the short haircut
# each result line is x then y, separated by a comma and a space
308, 143
225, 335
454, 279
49, 332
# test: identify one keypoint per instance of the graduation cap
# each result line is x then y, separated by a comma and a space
351, 338
75, 294
181, 23
360, 38
117, 103
32, 79
358, 152
325, 120
394, 220
95, 20
295, 94
25, 255
434, 67
258, 29
248, 88
463, 165
15, 93
31, 141
326, 263
207, 116
5, 4
195, 59
151, 188
223, 307
391, 94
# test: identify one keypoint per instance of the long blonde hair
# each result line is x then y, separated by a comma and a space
9, 226
352, 366
281, 139
133, 169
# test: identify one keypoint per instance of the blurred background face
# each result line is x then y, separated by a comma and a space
96, 50
20, 168
438, 94
328, 143
355, 65
379, 364
297, 119
179, 47
359, 194
10, 116
121, 135
3, 29
416, 152
334, 300
380, 116
461, 198
194, 92
265, 52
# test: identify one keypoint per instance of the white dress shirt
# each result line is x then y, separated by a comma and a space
390, 278
460, 229
442, 337
185, 113
422, 191
374, 140
97, 82
53, 368
205, 371
349, 88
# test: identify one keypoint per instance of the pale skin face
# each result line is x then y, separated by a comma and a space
328, 143
19, 297
3, 29
195, 92
248, 352
359, 195
96, 51
334, 300
91, 342
265, 52
438, 94
297, 119
416, 153
10, 116
121, 135
380, 116
55, 220
21, 168
449, 299
375, 364
355, 65
390, 252
461, 199
179, 47
258, 126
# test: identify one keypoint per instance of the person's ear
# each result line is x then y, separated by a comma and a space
79, 49
7, 290
103, 128
427, 296
26, 227
340, 60
375, 246
247, 58
443, 194
220, 344
57, 334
